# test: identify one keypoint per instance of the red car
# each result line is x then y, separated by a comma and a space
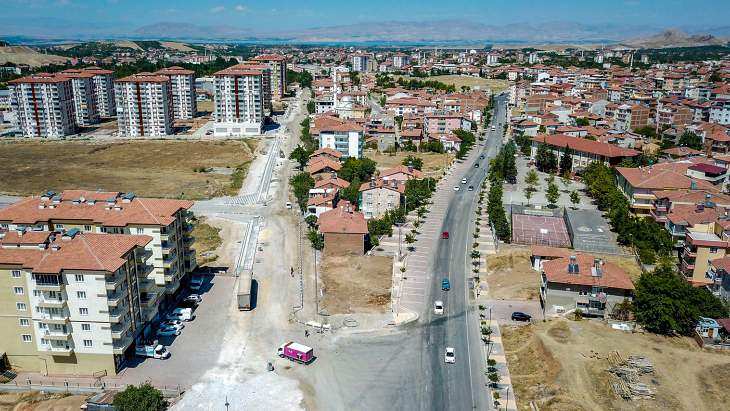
445, 235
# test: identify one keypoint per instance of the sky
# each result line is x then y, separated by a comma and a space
119, 16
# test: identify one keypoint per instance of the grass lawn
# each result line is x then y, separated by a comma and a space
153, 168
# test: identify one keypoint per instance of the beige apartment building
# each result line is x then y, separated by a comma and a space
44, 105
166, 221
144, 105
278, 66
71, 303
379, 196
182, 81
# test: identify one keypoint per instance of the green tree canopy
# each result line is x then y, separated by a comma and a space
300, 155
691, 140
140, 398
545, 159
361, 169
415, 162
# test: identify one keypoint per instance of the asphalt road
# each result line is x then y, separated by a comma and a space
459, 386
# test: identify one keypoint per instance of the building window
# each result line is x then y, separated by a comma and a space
24, 322
59, 225
88, 343
18, 290
79, 278
140, 230
26, 338
81, 295
37, 293
15, 273
87, 228
21, 306
85, 327
83, 311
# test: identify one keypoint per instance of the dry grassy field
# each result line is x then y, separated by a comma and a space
562, 365
149, 168
471, 81
433, 163
358, 284
36, 401
26, 55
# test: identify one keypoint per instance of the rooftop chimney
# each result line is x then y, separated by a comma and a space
573, 265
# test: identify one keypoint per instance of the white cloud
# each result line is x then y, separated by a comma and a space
241, 8
218, 9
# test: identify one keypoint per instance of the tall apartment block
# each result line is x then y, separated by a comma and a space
104, 87
361, 62
84, 96
144, 105
70, 302
44, 105
265, 81
278, 66
239, 101
184, 104
166, 221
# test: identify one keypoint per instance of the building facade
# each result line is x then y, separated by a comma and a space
239, 101
44, 105
144, 105
84, 97
104, 89
182, 81
278, 64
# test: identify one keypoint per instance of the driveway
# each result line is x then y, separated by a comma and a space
197, 347
502, 310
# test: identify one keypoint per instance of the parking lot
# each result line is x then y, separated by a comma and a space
515, 193
501, 310
197, 347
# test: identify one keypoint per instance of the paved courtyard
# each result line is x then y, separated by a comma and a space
515, 193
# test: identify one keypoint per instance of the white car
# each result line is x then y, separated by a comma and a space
449, 356
180, 314
456, 188
168, 332
463, 181
177, 324
438, 307
288, 205
194, 298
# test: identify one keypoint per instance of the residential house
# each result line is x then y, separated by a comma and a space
345, 230
379, 196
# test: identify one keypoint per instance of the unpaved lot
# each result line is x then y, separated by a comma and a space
149, 168
561, 365
35, 401
207, 241
433, 163
356, 284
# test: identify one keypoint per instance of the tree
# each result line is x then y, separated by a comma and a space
529, 190
316, 239
574, 198
691, 140
566, 161
552, 194
525, 144
646, 131
382, 101
414, 162
311, 107
362, 169
301, 155
433, 146
352, 192
311, 220
532, 179
666, 304
301, 184
142, 398
582, 122
545, 159
398, 121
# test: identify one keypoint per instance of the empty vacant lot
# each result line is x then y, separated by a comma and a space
187, 169
356, 284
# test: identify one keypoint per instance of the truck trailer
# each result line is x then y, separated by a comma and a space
244, 291
296, 352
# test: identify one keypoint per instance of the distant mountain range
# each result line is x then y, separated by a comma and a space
386, 32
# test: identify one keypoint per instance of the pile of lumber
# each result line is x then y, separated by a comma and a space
626, 383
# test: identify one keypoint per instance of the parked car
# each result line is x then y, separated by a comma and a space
482, 156
168, 332
445, 284
476, 165
519, 316
450, 355
445, 235
288, 205
172, 324
196, 298
471, 188
438, 307
152, 351
463, 181
456, 188
181, 314
196, 282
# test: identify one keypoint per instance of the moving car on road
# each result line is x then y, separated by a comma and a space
438, 307
445, 284
181, 314
520, 316
456, 188
450, 356
471, 188
463, 181
445, 235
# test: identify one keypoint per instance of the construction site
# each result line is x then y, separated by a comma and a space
587, 365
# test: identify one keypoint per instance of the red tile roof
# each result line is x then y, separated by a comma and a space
586, 146
392, 185
612, 276
343, 220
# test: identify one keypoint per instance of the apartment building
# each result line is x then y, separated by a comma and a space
278, 64
166, 221
703, 244
184, 103
361, 63
239, 101
401, 60
379, 196
720, 112
672, 115
70, 302
439, 124
631, 116
44, 105
346, 137
266, 79
84, 96
144, 105
104, 91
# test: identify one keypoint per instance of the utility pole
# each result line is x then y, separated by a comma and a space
316, 286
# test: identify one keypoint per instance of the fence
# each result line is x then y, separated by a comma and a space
168, 391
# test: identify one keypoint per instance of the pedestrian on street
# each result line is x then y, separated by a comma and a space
306, 333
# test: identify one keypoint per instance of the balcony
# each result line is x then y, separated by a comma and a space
113, 282
57, 350
46, 302
148, 299
688, 252
116, 316
56, 335
169, 262
116, 298
48, 286
119, 332
48, 318
120, 345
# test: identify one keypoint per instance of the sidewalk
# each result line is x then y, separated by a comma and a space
494, 349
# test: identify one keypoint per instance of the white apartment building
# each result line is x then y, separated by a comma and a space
239, 102
401, 60
70, 302
278, 64
266, 81
346, 137
84, 96
104, 88
144, 105
720, 112
166, 221
361, 62
44, 105
184, 103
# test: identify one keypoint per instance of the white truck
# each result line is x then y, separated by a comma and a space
157, 351
244, 292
